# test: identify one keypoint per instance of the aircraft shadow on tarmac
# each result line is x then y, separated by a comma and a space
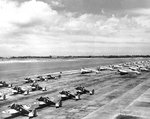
13, 116
44, 106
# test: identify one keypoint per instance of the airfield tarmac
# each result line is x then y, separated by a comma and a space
114, 95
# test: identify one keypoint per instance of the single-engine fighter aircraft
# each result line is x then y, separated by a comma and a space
103, 68
29, 80
85, 71
46, 101
128, 71
67, 95
144, 69
21, 110
41, 78
35, 87
82, 90
134, 68
3, 84
18, 90
48, 77
116, 66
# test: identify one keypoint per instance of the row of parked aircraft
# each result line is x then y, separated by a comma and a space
42, 78
45, 101
123, 68
33, 87
32, 80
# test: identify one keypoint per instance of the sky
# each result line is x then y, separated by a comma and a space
74, 27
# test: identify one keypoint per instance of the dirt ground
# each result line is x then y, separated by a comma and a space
114, 97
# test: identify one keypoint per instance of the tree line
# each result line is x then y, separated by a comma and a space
65, 57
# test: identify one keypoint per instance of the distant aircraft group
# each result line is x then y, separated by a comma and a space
130, 68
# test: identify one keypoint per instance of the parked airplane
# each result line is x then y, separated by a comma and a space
144, 69
128, 71
41, 78
46, 101
134, 68
85, 71
4, 84
82, 90
29, 80
103, 68
50, 77
116, 66
67, 95
35, 87
18, 90
21, 110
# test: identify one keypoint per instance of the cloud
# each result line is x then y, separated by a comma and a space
38, 17
57, 3
141, 11
35, 27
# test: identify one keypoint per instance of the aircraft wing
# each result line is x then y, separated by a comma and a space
10, 111
14, 91
62, 95
122, 71
1, 84
40, 103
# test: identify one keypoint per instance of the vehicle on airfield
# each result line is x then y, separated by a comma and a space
20, 110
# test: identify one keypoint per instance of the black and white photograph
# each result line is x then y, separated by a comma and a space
74, 59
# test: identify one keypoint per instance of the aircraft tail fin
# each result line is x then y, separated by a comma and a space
33, 113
